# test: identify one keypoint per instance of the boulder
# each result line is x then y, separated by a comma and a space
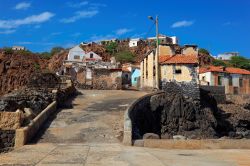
151, 136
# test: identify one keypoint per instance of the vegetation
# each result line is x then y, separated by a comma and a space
56, 50
203, 51
24, 52
218, 62
8, 50
37, 66
125, 56
112, 48
240, 62
48, 55
45, 55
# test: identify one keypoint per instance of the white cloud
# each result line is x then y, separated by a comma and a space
77, 5
123, 31
34, 19
183, 23
80, 15
22, 6
6, 32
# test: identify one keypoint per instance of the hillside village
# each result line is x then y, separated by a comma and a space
190, 93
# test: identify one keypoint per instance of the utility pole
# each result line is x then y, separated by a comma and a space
156, 64
157, 69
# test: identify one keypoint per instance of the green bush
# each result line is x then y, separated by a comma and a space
203, 51
8, 51
112, 48
240, 62
37, 66
218, 62
125, 56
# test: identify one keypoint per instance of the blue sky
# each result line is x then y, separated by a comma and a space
218, 25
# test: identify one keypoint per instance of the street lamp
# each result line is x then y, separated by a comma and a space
156, 21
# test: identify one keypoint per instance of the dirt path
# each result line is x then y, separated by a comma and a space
96, 117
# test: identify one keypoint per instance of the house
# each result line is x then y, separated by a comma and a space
126, 76
163, 39
190, 49
227, 56
171, 66
18, 48
179, 68
134, 42
76, 54
235, 80
91, 56
135, 76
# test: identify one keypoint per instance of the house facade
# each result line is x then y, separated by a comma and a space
76, 54
235, 80
179, 68
91, 56
227, 56
171, 66
18, 48
134, 42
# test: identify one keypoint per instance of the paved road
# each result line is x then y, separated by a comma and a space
90, 133
96, 117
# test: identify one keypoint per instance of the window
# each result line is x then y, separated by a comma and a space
135, 79
91, 55
177, 71
220, 79
203, 78
241, 82
76, 57
230, 81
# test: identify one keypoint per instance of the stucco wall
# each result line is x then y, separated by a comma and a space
166, 50
189, 51
188, 73
76, 51
149, 79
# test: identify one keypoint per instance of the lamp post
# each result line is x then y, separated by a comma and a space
156, 21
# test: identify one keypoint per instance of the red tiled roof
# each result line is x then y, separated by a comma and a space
125, 69
222, 69
179, 59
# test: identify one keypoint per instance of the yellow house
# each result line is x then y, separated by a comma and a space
181, 67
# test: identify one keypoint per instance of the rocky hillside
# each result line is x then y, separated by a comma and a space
15, 70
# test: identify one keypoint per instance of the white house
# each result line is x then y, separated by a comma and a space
134, 42
91, 56
227, 56
76, 54
18, 48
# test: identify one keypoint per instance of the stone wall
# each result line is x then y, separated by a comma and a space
7, 140
218, 92
107, 79
10, 120
191, 90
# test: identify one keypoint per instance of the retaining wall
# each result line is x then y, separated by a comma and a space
140, 108
217, 91
25, 134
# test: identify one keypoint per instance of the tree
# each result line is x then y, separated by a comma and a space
8, 51
203, 51
125, 56
45, 55
24, 52
218, 62
112, 47
56, 50
240, 62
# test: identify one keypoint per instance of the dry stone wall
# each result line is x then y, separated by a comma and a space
7, 140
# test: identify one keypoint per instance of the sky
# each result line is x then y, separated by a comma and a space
217, 25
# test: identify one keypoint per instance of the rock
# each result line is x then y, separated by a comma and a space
29, 114
151, 136
139, 143
179, 137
